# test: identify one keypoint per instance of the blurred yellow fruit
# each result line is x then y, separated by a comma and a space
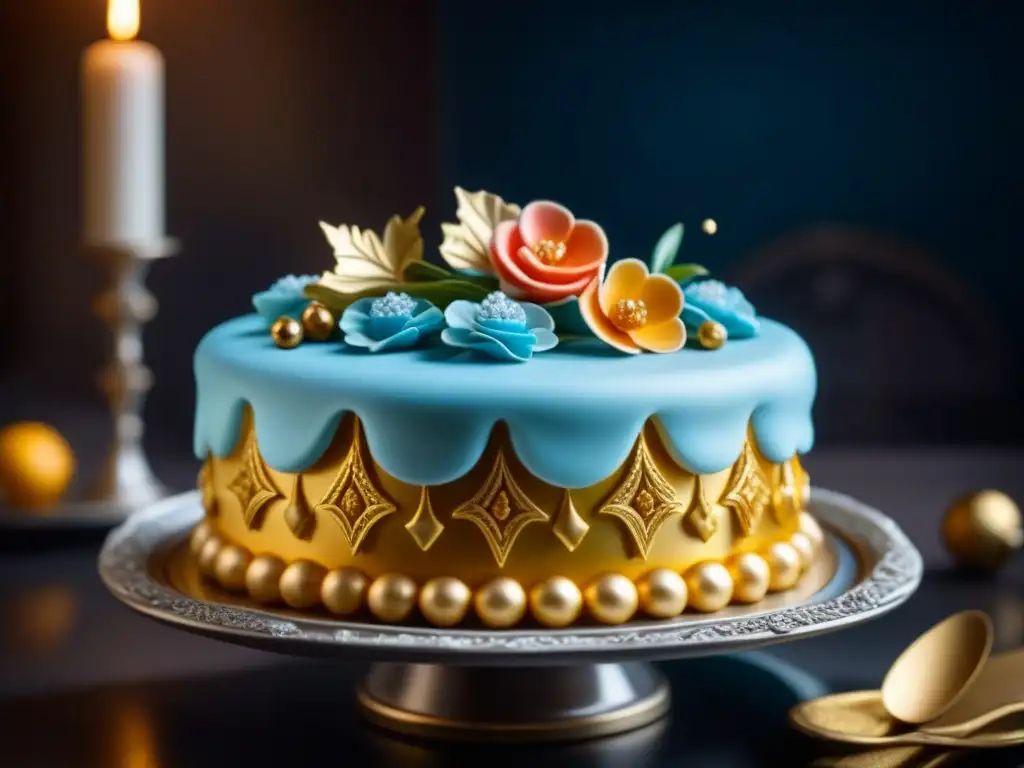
36, 464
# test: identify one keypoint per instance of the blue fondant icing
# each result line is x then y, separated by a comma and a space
573, 416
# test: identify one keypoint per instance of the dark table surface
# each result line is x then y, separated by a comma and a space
86, 682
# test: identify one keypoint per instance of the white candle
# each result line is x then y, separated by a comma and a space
123, 152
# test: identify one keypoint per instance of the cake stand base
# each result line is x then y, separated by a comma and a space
454, 702
531, 683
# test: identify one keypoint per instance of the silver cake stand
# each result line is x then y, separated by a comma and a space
532, 684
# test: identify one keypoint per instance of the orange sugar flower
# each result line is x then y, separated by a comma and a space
633, 310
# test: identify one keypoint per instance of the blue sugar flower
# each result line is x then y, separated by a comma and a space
713, 300
394, 321
285, 297
500, 327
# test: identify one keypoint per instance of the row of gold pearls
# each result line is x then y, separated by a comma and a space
503, 602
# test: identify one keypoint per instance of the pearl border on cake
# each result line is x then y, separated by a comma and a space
556, 602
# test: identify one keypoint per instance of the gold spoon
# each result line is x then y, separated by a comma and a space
995, 694
859, 717
934, 672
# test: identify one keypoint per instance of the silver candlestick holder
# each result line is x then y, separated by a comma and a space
125, 481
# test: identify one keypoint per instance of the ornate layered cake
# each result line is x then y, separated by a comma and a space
532, 433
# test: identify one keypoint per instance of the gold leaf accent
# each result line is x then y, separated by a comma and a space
253, 485
500, 491
353, 501
298, 516
747, 493
206, 488
643, 500
424, 527
364, 261
467, 245
700, 515
569, 527
786, 496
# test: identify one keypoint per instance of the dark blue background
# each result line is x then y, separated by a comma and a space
902, 117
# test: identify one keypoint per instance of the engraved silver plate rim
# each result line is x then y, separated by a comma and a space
893, 571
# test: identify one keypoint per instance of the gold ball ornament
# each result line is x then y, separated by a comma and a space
444, 601
556, 602
344, 590
317, 322
662, 593
208, 555
981, 530
500, 603
286, 332
811, 528
392, 597
263, 579
712, 335
750, 577
36, 465
710, 586
784, 563
612, 599
198, 537
230, 567
804, 547
301, 582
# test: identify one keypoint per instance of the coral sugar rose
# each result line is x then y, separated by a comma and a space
545, 255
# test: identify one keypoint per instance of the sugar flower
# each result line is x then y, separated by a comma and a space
393, 321
633, 310
713, 300
545, 254
286, 297
499, 327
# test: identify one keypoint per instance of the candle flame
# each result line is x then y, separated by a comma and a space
123, 19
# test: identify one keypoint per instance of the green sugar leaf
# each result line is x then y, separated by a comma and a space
667, 248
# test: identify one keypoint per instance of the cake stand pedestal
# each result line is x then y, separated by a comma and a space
519, 685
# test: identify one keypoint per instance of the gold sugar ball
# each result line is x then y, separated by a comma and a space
230, 567
804, 547
556, 602
198, 537
301, 582
36, 465
712, 335
710, 586
981, 530
784, 563
612, 599
444, 601
662, 593
286, 332
317, 322
208, 555
810, 527
500, 603
344, 590
392, 597
750, 577
263, 578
